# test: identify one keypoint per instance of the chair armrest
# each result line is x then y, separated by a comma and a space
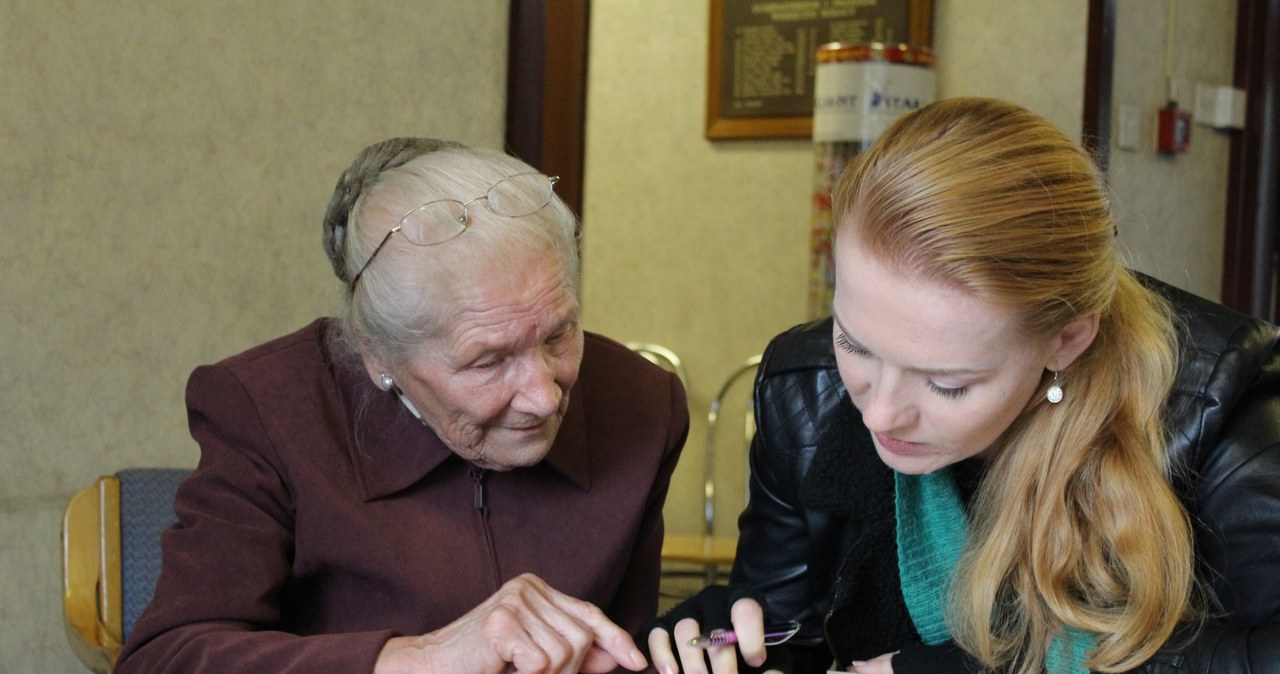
91, 573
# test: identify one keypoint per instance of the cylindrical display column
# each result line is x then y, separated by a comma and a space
858, 90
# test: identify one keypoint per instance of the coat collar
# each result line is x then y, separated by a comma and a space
391, 450
847, 476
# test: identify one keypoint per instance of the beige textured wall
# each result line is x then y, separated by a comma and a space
1170, 209
1031, 53
164, 167
702, 246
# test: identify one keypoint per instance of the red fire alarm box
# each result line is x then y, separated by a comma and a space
1173, 129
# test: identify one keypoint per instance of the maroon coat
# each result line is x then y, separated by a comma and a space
324, 519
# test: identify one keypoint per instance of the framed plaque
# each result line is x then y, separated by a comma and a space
761, 60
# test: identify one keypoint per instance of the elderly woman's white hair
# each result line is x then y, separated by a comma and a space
400, 299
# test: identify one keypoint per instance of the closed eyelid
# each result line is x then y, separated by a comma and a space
843, 335
851, 345
847, 343
563, 330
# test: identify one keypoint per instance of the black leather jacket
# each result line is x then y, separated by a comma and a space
813, 537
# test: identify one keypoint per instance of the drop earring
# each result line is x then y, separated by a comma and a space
1054, 394
386, 381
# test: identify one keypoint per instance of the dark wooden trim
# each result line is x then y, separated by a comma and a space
1248, 264
546, 89
1266, 172
1237, 262
526, 49
565, 97
1099, 66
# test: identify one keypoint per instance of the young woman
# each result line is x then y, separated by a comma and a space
1004, 451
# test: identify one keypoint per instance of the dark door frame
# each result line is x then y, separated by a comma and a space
1099, 65
546, 89
1249, 253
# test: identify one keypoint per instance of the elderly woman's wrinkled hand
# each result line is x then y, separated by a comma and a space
526, 626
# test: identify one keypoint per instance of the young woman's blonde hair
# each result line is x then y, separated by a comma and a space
1075, 524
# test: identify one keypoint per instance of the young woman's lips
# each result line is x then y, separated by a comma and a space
895, 446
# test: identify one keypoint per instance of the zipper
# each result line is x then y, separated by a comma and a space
477, 479
482, 509
826, 619
836, 597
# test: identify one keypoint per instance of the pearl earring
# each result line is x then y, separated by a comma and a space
1054, 395
386, 381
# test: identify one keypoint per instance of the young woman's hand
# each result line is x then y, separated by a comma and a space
878, 665
670, 651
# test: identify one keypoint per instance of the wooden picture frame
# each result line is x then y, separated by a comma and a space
760, 62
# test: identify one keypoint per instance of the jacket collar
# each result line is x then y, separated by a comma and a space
391, 450
847, 476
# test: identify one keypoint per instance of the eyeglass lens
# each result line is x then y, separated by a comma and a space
515, 196
434, 222
519, 195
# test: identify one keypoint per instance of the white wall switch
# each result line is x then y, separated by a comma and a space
1220, 107
1129, 130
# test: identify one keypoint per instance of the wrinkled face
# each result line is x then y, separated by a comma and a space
494, 384
937, 373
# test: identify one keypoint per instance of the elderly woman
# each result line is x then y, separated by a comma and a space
452, 477
1003, 452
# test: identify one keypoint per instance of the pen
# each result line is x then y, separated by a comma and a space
773, 635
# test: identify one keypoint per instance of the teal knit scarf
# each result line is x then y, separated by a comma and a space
931, 532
